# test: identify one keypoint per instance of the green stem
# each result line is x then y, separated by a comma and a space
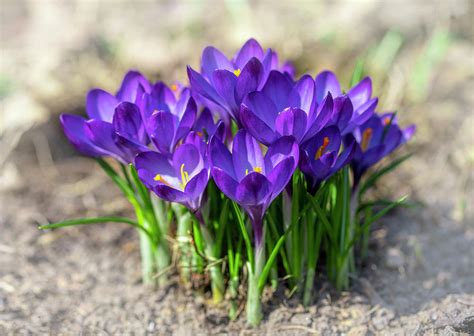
147, 259
183, 229
254, 304
217, 279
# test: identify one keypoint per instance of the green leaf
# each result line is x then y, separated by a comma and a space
358, 72
120, 182
372, 219
95, 220
271, 259
322, 216
243, 229
372, 179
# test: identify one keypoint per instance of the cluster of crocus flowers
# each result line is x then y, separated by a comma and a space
280, 149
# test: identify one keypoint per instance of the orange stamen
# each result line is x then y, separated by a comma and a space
321, 149
366, 136
160, 178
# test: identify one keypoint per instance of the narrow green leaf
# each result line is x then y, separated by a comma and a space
243, 229
358, 72
372, 179
95, 220
323, 218
372, 219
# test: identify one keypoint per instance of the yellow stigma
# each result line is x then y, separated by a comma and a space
237, 72
184, 176
255, 169
160, 178
174, 87
366, 136
321, 149
386, 120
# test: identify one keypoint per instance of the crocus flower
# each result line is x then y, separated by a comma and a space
375, 139
122, 138
321, 156
181, 177
168, 118
250, 178
225, 82
115, 126
285, 108
347, 116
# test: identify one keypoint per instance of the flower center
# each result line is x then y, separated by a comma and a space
174, 87
321, 149
160, 178
366, 136
255, 169
237, 72
184, 176
386, 120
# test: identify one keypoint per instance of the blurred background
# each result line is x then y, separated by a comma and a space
419, 54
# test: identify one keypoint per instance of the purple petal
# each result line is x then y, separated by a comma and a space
213, 59
220, 157
280, 150
101, 134
278, 88
127, 122
249, 79
254, 189
281, 175
196, 186
256, 126
162, 126
408, 132
130, 84
100, 105
187, 158
246, 154
250, 49
163, 95
262, 107
202, 87
224, 83
321, 117
170, 194
186, 122
291, 121
73, 126
343, 111
225, 182
326, 82
303, 94
345, 156
361, 92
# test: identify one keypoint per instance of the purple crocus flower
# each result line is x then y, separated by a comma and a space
284, 108
122, 138
115, 127
181, 177
375, 139
321, 156
225, 82
250, 178
168, 118
351, 109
